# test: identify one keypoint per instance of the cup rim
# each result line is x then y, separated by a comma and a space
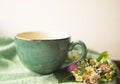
32, 35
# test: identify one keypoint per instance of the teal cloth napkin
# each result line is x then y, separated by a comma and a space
12, 71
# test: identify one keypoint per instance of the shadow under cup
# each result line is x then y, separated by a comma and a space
42, 52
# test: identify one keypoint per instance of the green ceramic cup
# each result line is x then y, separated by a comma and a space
45, 52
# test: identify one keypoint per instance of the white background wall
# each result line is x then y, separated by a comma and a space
96, 22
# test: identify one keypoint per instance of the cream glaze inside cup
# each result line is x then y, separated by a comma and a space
42, 35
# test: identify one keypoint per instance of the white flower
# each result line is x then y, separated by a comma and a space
77, 47
93, 62
74, 54
79, 78
89, 70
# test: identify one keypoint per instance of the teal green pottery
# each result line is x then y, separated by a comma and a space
43, 52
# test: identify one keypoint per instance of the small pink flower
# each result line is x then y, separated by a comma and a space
92, 78
72, 67
105, 68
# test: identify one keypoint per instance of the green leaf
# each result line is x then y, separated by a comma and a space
103, 55
64, 76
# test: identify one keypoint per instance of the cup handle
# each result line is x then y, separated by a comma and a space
80, 50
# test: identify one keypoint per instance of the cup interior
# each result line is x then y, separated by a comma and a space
42, 35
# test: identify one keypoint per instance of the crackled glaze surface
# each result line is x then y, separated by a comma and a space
42, 56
